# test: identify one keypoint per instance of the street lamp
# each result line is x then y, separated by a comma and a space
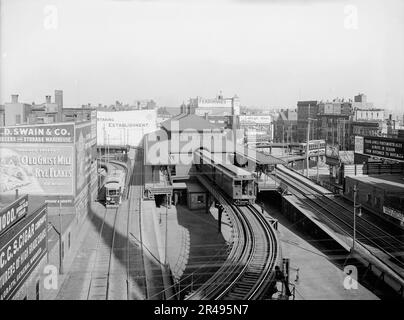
307, 144
359, 214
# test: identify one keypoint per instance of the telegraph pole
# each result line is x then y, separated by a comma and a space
354, 220
307, 146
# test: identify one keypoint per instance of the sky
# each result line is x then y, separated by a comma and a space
271, 53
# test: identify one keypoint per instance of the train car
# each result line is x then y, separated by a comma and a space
114, 188
315, 146
239, 184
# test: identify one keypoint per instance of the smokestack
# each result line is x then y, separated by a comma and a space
59, 102
14, 98
48, 99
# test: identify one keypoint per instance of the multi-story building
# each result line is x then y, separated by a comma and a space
335, 119
18, 113
1, 115
285, 126
218, 106
307, 111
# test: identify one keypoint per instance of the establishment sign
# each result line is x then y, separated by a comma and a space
125, 127
49, 133
12, 213
22, 248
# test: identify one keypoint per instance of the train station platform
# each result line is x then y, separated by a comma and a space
315, 274
297, 209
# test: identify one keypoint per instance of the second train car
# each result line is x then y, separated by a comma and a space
237, 183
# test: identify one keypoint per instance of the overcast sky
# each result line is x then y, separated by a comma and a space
268, 52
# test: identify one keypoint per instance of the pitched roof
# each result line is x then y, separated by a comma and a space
188, 121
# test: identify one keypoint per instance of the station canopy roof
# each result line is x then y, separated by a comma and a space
188, 121
259, 157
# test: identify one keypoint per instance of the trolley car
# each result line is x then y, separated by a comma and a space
237, 183
114, 188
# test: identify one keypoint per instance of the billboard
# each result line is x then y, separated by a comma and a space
36, 169
22, 248
12, 213
37, 159
125, 127
358, 144
39, 133
388, 148
262, 120
332, 151
85, 143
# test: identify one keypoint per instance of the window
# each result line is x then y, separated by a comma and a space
369, 199
377, 202
18, 119
68, 240
200, 199
237, 183
158, 138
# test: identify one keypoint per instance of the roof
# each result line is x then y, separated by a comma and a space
188, 121
194, 187
391, 183
260, 157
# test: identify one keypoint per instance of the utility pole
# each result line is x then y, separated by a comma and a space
60, 237
307, 147
307, 142
318, 158
354, 220
283, 139
165, 241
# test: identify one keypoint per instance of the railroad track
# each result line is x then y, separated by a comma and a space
249, 268
341, 217
103, 269
100, 273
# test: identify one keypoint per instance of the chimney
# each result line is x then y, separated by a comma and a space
14, 98
48, 99
59, 102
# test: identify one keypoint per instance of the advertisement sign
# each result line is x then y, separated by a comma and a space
125, 127
21, 251
36, 169
383, 147
264, 120
85, 143
393, 213
47, 133
358, 144
332, 151
12, 213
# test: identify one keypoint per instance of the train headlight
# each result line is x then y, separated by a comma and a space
108, 198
